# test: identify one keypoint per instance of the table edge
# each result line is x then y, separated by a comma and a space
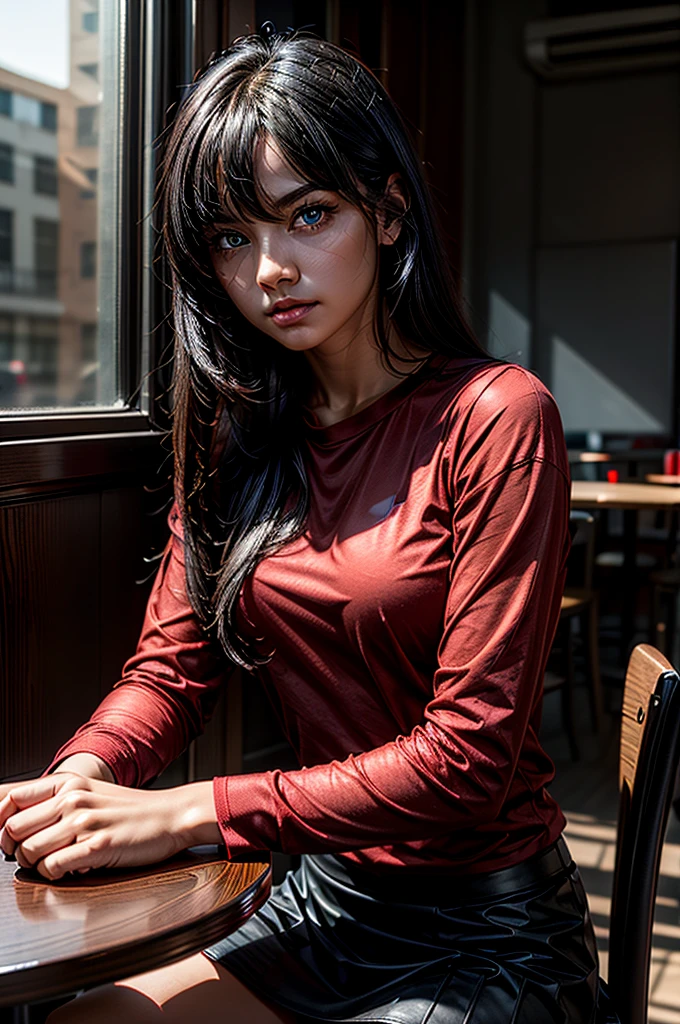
154, 951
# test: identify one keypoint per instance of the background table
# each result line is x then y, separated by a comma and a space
58, 937
631, 497
631, 457
628, 496
662, 478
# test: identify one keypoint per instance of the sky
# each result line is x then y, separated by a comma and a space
34, 39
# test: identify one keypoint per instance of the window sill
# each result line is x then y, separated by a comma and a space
20, 426
40, 463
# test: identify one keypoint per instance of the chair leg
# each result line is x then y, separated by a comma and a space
568, 692
591, 622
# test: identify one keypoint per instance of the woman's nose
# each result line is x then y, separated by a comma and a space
272, 269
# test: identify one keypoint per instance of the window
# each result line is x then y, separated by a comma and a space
45, 175
65, 263
88, 259
6, 238
90, 69
6, 340
88, 343
46, 256
91, 21
88, 126
91, 173
27, 109
6, 163
48, 116
42, 348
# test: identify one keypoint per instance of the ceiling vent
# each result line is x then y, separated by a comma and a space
604, 43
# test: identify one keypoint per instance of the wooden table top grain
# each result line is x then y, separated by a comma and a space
58, 937
591, 493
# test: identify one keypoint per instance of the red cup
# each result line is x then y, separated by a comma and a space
671, 462
613, 476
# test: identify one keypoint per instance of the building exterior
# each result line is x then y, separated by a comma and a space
49, 160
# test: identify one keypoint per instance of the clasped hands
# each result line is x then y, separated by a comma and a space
67, 822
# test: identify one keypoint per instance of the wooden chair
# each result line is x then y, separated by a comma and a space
648, 762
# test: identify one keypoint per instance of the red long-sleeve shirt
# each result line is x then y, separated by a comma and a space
411, 625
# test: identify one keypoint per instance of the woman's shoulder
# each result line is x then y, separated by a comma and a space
503, 406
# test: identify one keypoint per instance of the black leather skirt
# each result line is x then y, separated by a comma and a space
335, 943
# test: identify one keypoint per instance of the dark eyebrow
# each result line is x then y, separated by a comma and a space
298, 193
279, 205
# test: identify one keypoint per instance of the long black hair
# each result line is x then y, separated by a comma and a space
240, 479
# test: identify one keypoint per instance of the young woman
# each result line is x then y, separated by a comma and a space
371, 517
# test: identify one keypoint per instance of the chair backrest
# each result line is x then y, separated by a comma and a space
582, 530
648, 762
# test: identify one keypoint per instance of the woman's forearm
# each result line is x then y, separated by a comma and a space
195, 814
89, 765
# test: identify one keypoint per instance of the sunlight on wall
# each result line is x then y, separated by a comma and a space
509, 331
588, 400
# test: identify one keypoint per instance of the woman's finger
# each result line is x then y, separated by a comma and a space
79, 857
19, 797
24, 823
48, 840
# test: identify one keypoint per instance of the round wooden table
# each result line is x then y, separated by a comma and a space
631, 497
58, 937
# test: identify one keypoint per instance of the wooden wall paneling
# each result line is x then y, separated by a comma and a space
241, 18
211, 31
357, 25
49, 594
125, 577
442, 116
401, 59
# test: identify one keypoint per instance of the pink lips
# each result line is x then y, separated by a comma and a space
284, 317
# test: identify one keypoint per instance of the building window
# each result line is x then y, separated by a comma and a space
6, 340
48, 117
6, 162
88, 126
88, 259
91, 21
91, 173
5, 102
26, 109
6, 238
10, 378
46, 254
90, 69
43, 346
45, 175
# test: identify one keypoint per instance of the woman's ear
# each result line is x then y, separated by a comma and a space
391, 209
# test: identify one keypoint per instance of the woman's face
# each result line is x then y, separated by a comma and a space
321, 255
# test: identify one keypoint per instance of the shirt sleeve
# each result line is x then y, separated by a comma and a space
505, 479
168, 689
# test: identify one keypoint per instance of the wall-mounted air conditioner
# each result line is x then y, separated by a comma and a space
604, 43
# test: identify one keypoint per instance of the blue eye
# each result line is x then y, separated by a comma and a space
314, 213
233, 239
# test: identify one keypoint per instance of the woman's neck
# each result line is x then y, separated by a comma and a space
348, 379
